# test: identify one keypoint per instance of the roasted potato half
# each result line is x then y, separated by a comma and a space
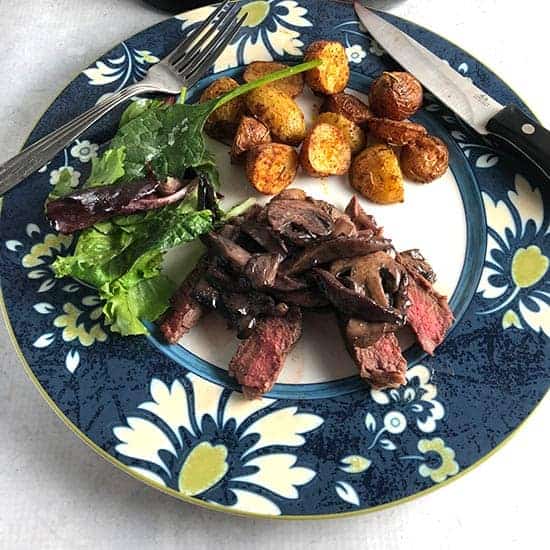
279, 112
250, 134
292, 85
332, 75
349, 106
395, 132
355, 136
425, 160
395, 95
375, 173
223, 122
325, 151
271, 167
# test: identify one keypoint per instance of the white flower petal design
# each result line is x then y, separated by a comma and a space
240, 408
488, 290
355, 464
291, 44
499, 216
43, 308
380, 397
169, 404
537, 320
347, 493
143, 440
13, 245
253, 503
148, 475
32, 228
206, 397
44, 341
72, 360
528, 202
278, 474
282, 427
295, 14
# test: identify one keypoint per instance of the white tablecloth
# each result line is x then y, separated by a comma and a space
55, 493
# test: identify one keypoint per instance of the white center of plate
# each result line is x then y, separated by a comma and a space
432, 219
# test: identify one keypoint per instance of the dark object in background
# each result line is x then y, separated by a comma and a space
178, 6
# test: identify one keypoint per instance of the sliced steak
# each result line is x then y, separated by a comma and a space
260, 358
428, 315
381, 363
416, 264
185, 312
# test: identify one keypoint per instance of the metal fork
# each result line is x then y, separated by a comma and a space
182, 67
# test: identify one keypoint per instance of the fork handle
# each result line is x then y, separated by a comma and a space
39, 153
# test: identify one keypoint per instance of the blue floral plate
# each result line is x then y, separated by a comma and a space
321, 443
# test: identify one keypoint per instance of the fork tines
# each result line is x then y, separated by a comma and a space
201, 47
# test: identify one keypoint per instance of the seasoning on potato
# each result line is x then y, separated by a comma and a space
332, 75
250, 134
395, 132
395, 95
271, 167
355, 136
292, 85
375, 173
223, 122
425, 160
325, 151
279, 112
349, 106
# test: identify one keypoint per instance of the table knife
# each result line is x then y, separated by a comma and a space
479, 110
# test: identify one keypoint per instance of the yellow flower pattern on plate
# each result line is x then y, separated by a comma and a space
448, 466
72, 330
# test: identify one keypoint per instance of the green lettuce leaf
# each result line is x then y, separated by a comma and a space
120, 256
108, 168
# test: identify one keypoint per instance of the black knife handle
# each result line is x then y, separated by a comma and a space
524, 134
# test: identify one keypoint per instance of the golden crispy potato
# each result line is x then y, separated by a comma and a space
355, 136
250, 134
279, 112
332, 75
425, 160
395, 132
325, 151
395, 95
223, 122
271, 167
292, 85
375, 173
349, 106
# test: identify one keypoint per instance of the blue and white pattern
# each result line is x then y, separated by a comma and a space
203, 441
311, 455
271, 30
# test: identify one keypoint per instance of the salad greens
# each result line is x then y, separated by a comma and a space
122, 257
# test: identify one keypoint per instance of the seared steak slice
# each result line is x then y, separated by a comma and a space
185, 312
428, 315
414, 262
381, 364
260, 358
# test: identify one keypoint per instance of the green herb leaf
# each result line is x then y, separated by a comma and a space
63, 185
108, 168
